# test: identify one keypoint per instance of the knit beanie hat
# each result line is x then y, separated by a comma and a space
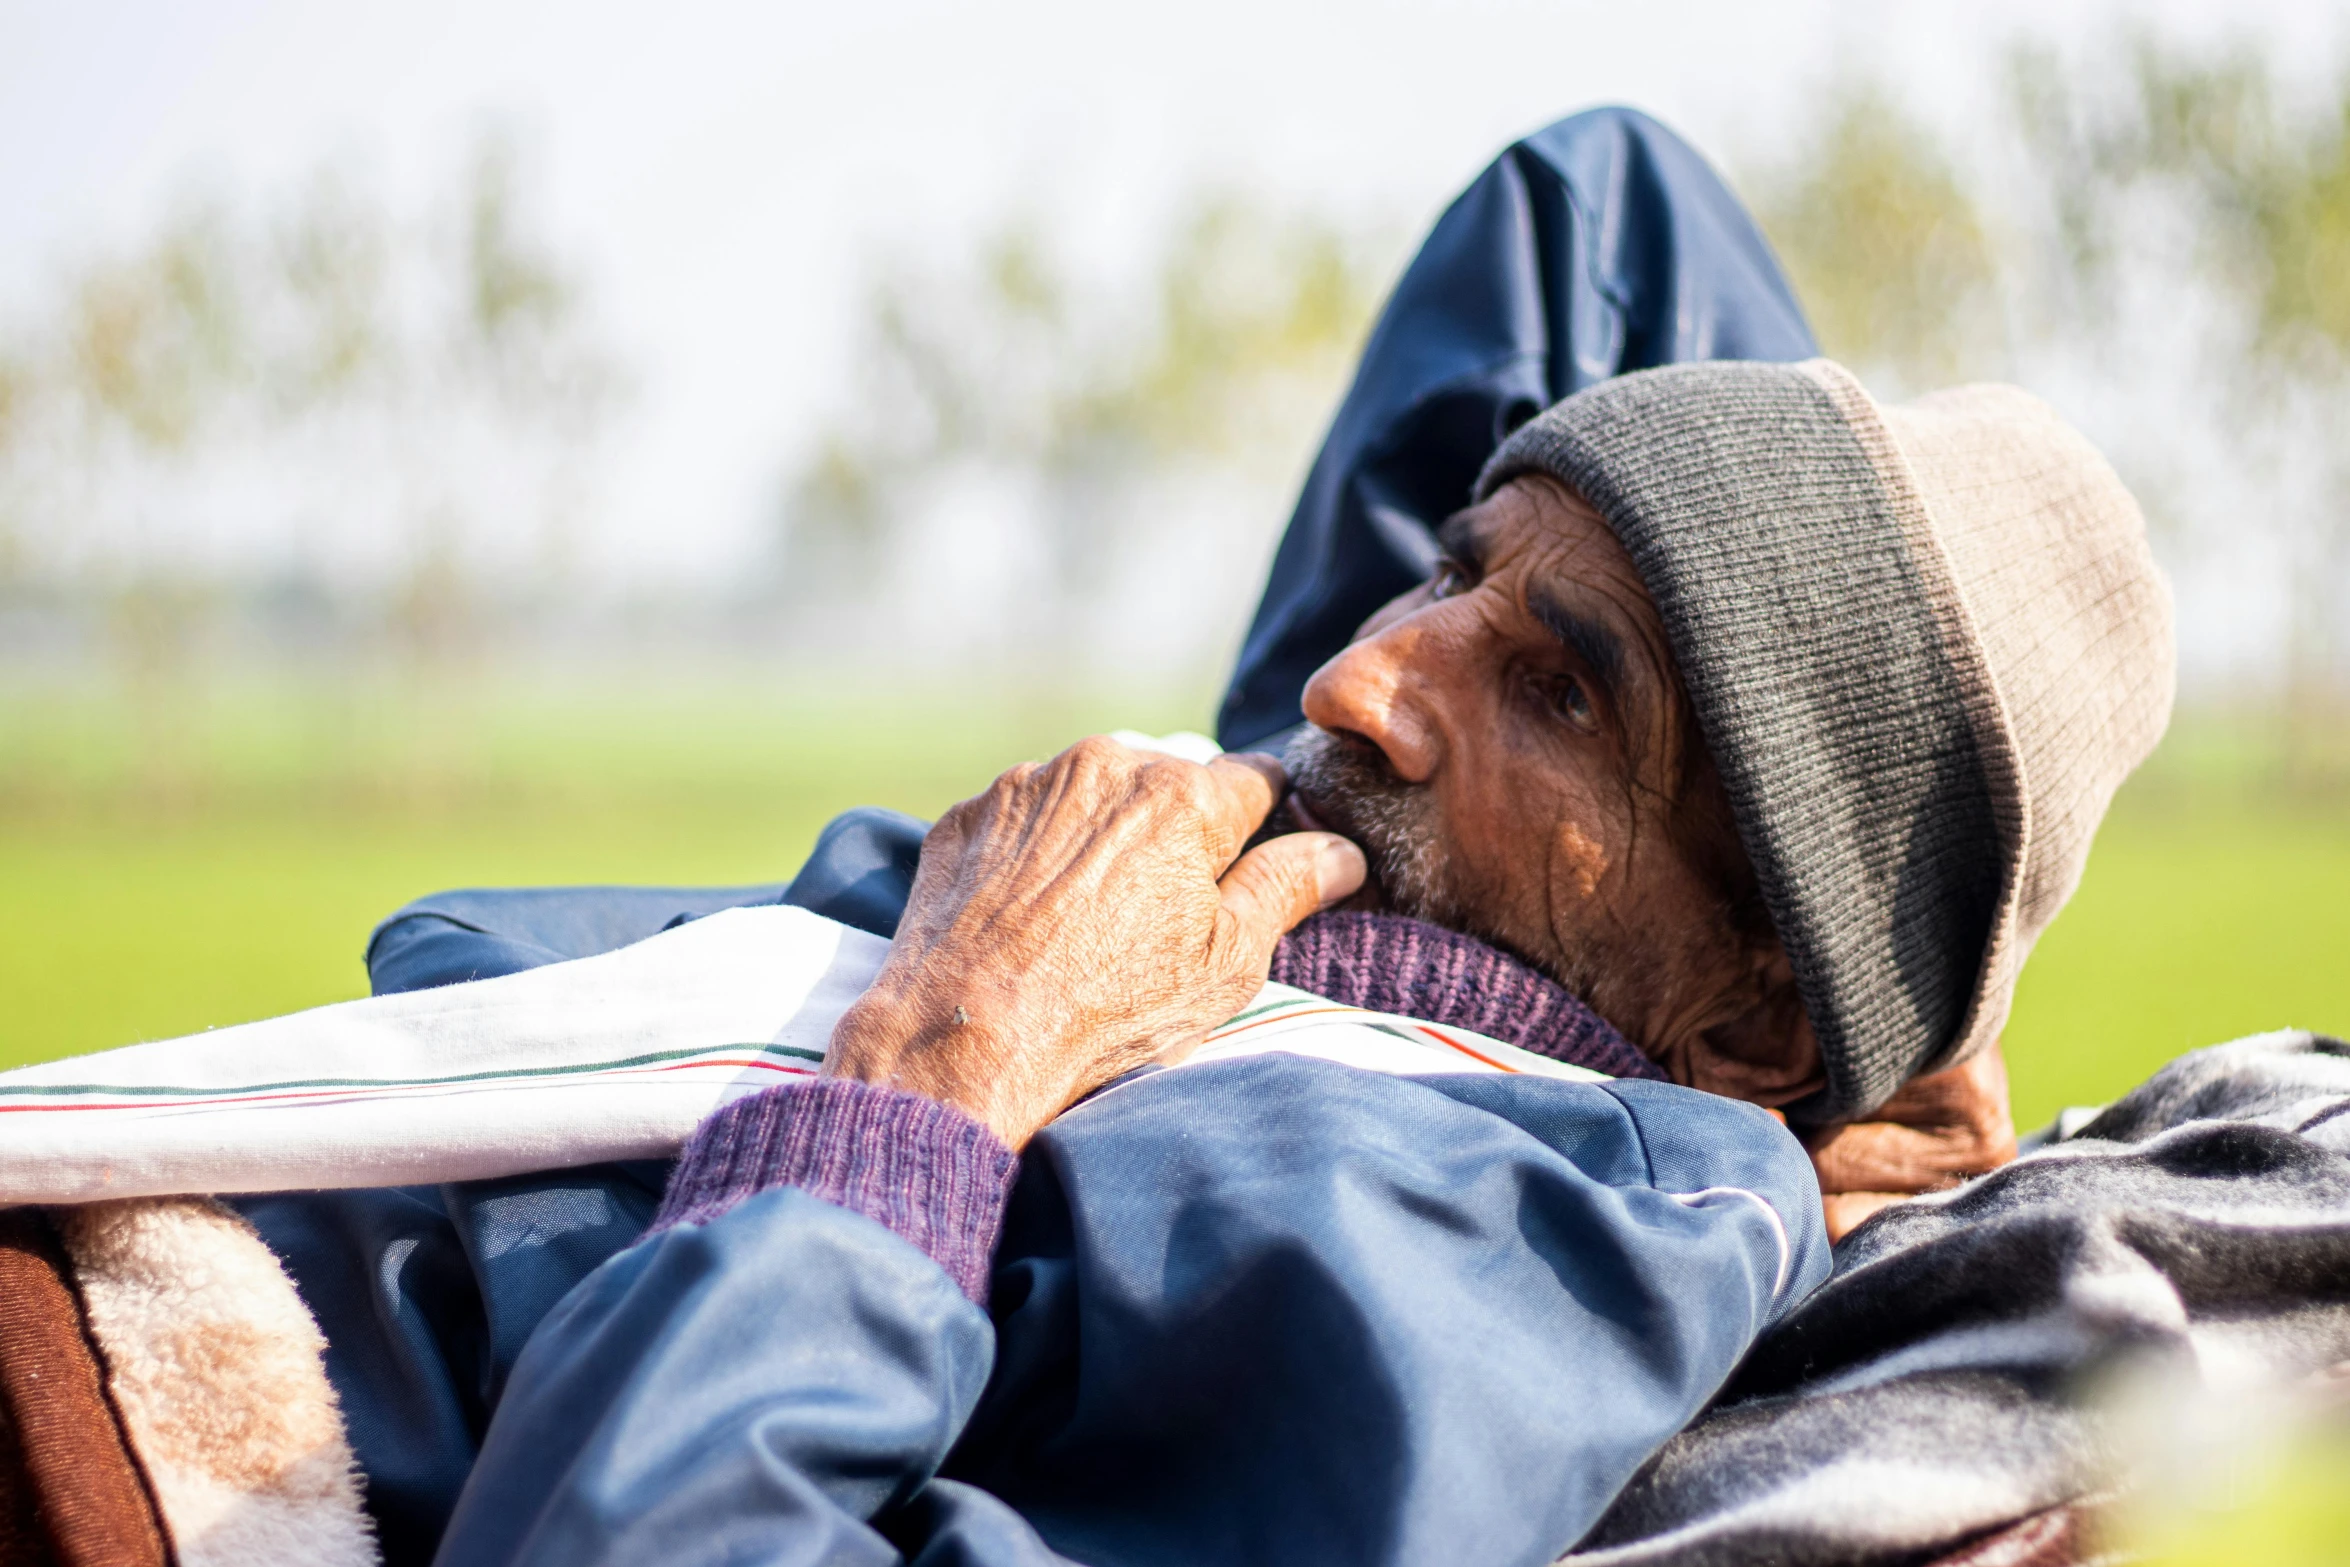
1925, 643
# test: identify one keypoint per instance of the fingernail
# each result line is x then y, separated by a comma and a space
1339, 870
1269, 763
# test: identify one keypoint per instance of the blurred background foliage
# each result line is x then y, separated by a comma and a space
1886, 249
1170, 412
1039, 506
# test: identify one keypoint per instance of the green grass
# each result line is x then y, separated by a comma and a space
221, 857
2192, 925
240, 876
112, 932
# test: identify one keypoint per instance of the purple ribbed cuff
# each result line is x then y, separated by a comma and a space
931, 1174
1389, 963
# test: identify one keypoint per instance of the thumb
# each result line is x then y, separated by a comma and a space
1276, 884
1846, 1210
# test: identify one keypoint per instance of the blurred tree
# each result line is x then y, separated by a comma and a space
216, 336
1884, 245
15, 395
519, 368
837, 531
155, 352
2252, 189
335, 256
407, 402
1247, 301
519, 316
156, 342
1248, 325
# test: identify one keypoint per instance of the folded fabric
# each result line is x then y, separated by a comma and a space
1987, 1362
617, 1056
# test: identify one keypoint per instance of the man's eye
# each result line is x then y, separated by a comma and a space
1573, 703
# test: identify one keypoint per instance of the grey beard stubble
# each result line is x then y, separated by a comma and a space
1347, 785
1354, 795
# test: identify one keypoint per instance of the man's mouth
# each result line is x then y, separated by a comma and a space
1342, 784
1304, 815
1302, 818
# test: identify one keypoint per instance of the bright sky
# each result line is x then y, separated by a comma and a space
720, 169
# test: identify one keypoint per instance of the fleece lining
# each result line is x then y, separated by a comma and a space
218, 1372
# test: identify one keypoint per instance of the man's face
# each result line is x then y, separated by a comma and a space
1511, 746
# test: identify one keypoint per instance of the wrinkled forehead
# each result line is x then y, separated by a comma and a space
1576, 593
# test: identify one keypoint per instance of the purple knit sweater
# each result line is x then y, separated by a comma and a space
927, 1171
1388, 963
939, 1179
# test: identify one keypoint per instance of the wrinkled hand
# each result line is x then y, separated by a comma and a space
1080, 918
1933, 1134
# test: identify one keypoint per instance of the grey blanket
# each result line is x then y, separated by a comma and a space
1945, 1382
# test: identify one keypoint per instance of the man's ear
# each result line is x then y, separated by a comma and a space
1764, 1050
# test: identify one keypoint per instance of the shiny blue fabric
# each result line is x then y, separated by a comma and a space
1598, 245
427, 1296
427, 1293
1304, 1255
859, 873
1272, 1310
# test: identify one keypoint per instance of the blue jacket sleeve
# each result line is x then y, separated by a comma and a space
776, 1385
1272, 1310
1277, 1310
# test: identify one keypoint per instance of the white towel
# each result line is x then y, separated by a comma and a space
609, 1057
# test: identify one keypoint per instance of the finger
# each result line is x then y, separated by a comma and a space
1276, 884
1878, 1156
1847, 1210
1973, 1093
1244, 788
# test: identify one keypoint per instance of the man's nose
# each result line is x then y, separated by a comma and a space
1377, 690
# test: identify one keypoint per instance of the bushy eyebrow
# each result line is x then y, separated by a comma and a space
1590, 640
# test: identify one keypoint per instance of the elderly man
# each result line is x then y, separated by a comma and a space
1740, 733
